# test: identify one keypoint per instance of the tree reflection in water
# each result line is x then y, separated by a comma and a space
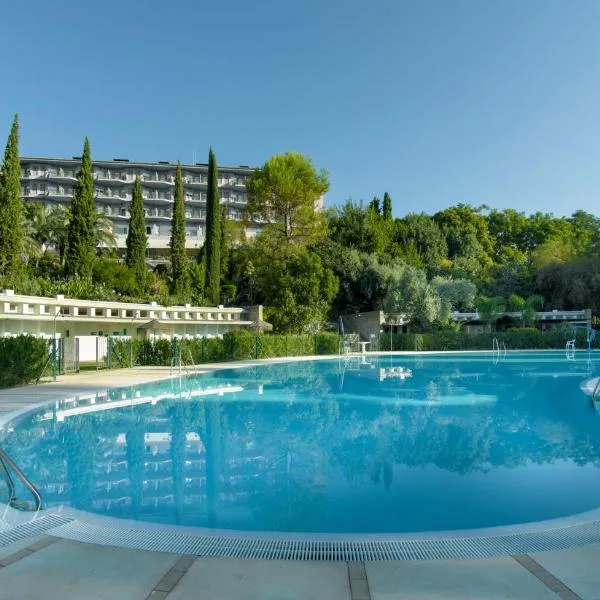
329, 446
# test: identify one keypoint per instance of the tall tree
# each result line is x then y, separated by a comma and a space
387, 207
375, 205
137, 239
12, 211
179, 270
285, 193
81, 242
213, 232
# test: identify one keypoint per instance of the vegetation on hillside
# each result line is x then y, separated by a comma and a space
308, 266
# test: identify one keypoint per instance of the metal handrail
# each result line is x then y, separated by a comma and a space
7, 462
596, 390
503, 348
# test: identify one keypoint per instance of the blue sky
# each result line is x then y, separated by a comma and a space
437, 102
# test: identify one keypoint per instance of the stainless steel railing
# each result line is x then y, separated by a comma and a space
6, 465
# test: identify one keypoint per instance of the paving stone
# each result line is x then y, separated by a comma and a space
454, 579
577, 568
242, 579
75, 570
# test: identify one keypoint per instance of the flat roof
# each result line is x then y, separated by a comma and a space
124, 162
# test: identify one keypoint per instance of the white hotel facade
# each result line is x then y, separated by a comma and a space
51, 181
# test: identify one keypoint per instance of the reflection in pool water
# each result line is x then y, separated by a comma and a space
328, 446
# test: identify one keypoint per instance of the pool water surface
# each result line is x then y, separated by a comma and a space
367, 444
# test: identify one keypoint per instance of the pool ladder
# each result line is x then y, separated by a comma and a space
596, 391
499, 349
7, 464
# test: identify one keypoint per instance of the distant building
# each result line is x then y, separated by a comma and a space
51, 181
69, 317
548, 320
369, 324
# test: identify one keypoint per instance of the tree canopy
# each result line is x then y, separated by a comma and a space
284, 193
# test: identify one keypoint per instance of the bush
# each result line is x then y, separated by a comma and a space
239, 345
327, 343
525, 338
22, 359
235, 345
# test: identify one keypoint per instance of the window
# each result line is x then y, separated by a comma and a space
149, 230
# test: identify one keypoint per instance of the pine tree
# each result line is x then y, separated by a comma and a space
213, 233
81, 242
137, 239
11, 208
179, 271
387, 207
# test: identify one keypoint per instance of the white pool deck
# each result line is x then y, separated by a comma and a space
49, 567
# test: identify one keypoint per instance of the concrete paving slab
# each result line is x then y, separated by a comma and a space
454, 579
69, 569
20, 545
225, 579
577, 568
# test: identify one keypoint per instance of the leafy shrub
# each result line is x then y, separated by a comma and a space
235, 345
327, 343
22, 358
524, 338
239, 345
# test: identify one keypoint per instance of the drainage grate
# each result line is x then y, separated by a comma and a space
30, 529
332, 550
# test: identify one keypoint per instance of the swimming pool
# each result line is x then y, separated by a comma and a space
363, 445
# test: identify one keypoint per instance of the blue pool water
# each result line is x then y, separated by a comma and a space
380, 444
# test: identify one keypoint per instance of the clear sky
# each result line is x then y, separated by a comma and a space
437, 102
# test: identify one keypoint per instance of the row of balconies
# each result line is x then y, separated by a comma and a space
125, 195
146, 177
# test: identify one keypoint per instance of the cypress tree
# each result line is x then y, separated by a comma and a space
213, 233
375, 206
179, 272
225, 244
387, 207
81, 238
11, 208
137, 239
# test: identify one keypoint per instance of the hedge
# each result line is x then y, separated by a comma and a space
524, 339
242, 345
235, 345
22, 359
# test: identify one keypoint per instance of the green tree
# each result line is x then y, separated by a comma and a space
455, 294
213, 233
530, 308
375, 205
179, 267
586, 232
284, 193
137, 239
387, 207
364, 229
296, 289
81, 238
467, 236
414, 298
421, 234
490, 309
12, 216
515, 303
